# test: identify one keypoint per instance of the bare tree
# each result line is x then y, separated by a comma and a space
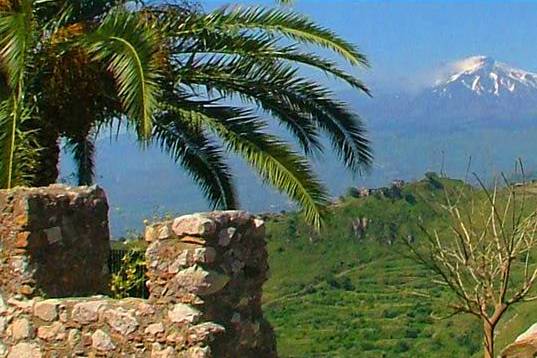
485, 256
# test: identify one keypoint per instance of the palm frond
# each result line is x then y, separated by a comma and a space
279, 22
15, 40
317, 62
274, 160
129, 46
268, 84
200, 156
18, 151
261, 47
4, 87
83, 152
259, 83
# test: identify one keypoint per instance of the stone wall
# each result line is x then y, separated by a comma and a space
217, 263
54, 241
205, 275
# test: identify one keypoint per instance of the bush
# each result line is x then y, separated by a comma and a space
434, 180
353, 192
390, 313
412, 333
410, 198
346, 283
128, 273
401, 347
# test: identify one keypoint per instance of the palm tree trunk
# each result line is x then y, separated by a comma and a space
46, 170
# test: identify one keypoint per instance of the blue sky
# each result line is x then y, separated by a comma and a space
407, 41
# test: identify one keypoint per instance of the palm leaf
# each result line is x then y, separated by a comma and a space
269, 84
15, 41
199, 155
262, 48
280, 22
319, 63
277, 164
8, 135
128, 45
18, 153
259, 83
83, 152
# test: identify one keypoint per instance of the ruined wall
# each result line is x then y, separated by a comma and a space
54, 240
205, 276
217, 263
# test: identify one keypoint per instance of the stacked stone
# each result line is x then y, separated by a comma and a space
99, 326
54, 240
206, 273
214, 263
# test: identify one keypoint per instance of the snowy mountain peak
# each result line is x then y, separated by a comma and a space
473, 63
484, 76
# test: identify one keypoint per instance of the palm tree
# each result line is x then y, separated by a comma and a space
198, 84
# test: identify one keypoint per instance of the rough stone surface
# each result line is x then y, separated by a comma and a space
154, 329
51, 238
122, 321
160, 352
216, 262
182, 313
21, 329
199, 352
205, 274
55, 331
73, 337
25, 350
101, 341
46, 310
525, 346
87, 312
193, 225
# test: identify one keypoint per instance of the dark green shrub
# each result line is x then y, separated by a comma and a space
353, 192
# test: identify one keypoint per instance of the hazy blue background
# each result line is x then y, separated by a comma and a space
409, 43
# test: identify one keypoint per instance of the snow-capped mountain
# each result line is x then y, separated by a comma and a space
476, 90
484, 76
479, 89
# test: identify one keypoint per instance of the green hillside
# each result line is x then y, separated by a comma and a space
336, 294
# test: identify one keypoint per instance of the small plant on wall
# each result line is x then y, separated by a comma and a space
128, 276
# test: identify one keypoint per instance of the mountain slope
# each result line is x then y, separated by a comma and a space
333, 295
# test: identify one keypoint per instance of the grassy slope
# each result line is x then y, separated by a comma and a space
331, 295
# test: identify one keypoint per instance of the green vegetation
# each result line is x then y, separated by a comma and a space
128, 267
486, 258
197, 84
335, 295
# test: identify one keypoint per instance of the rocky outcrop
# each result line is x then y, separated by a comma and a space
205, 275
525, 346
